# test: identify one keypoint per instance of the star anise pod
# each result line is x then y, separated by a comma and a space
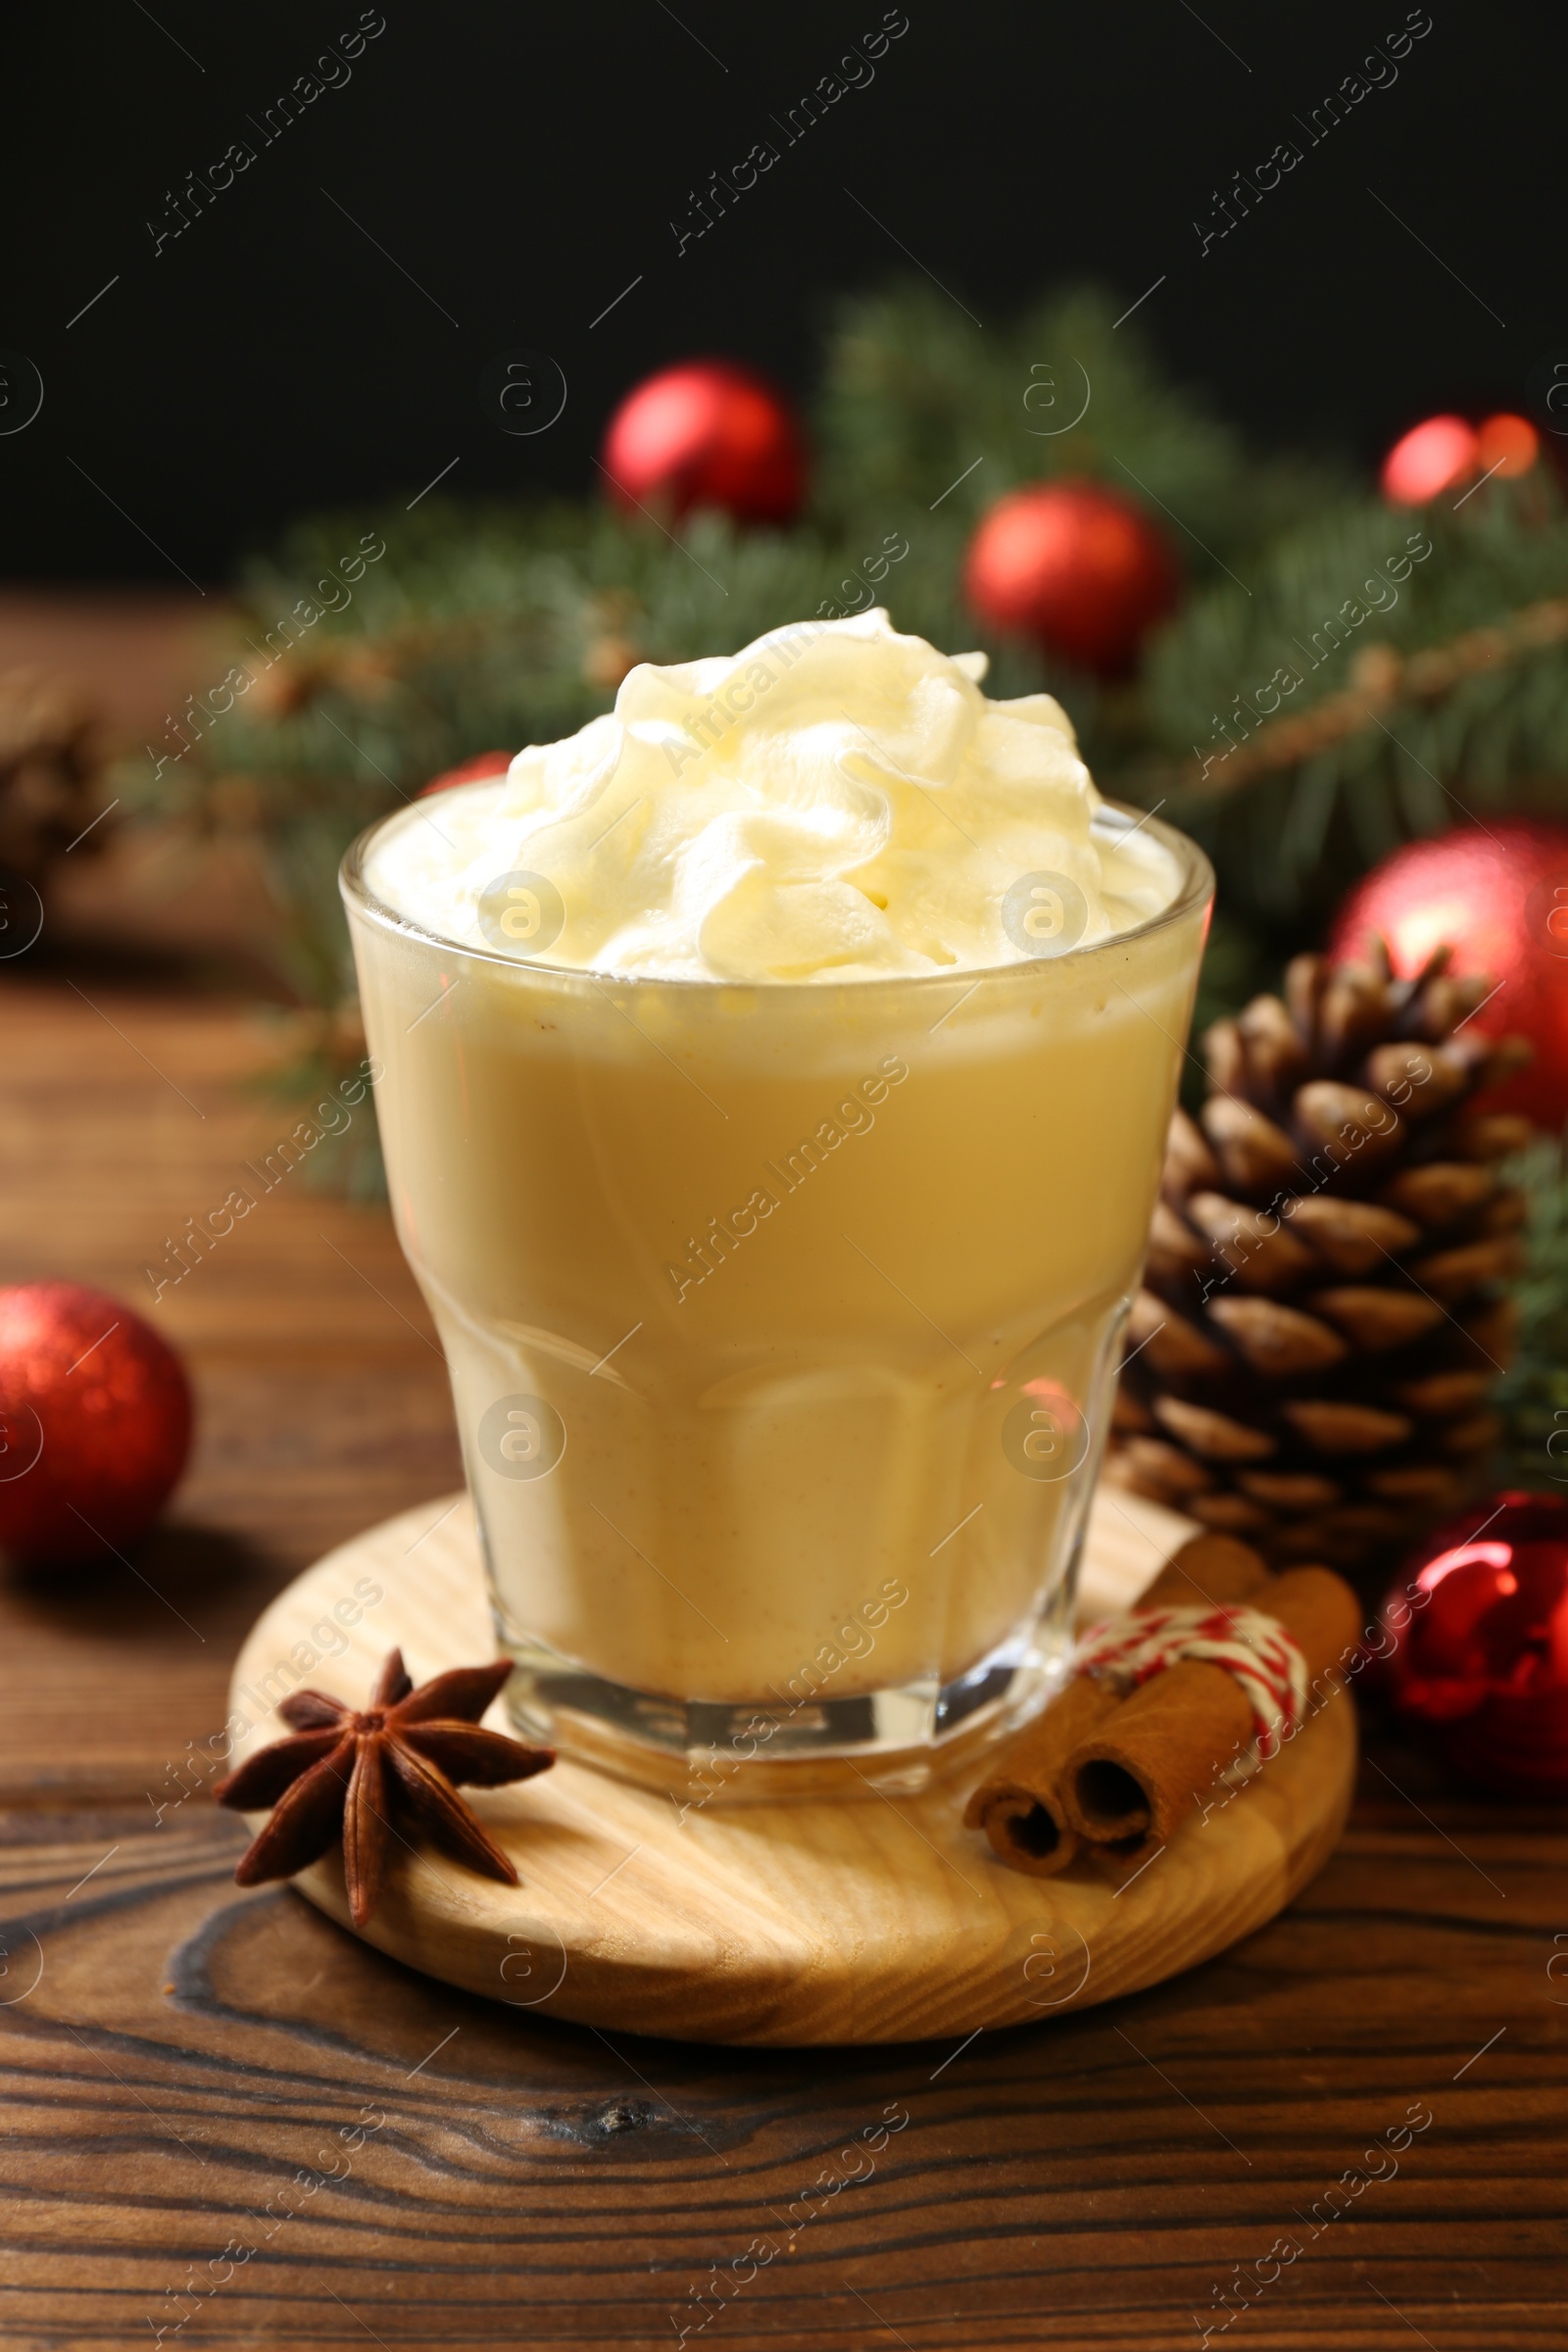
370, 1776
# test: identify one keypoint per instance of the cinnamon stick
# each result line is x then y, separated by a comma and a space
1132, 1779
1021, 1806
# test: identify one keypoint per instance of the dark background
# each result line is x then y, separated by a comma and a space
523, 166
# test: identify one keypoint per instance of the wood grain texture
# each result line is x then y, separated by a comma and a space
877, 1919
190, 2051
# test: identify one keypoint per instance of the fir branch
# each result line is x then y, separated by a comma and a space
1381, 680
1333, 727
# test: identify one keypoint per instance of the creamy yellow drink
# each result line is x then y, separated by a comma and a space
776, 1078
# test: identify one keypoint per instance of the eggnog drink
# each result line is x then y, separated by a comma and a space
776, 1080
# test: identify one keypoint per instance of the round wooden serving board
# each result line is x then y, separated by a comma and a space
876, 1919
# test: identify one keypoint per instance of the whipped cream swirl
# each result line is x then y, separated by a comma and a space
836, 802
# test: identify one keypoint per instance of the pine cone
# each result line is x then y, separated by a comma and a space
51, 771
1324, 1313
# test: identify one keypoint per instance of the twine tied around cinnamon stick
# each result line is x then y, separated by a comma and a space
1256, 1650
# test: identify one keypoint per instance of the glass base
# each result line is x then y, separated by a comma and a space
775, 1749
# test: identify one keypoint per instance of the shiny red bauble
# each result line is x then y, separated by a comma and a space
1498, 896
1475, 1643
706, 434
1506, 446
1077, 568
95, 1421
476, 770
1431, 457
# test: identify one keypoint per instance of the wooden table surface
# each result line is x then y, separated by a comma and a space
1362, 2106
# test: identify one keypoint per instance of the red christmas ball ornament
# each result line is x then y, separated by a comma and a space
1429, 459
95, 1420
1506, 446
707, 433
1076, 567
1475, 1643
476, 770
1500, 898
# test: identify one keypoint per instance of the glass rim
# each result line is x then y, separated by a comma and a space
1194, 889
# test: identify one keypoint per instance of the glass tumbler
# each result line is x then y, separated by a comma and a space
782, 1325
